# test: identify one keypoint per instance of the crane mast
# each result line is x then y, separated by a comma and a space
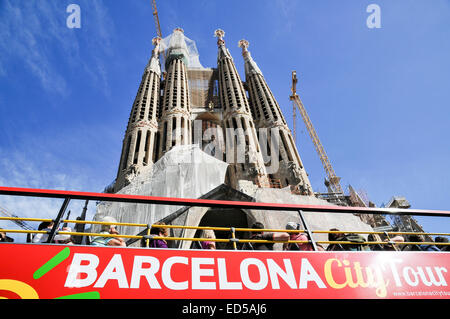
14, 219
333, 180
157, 25
155, 17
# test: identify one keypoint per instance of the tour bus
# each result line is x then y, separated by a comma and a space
80, 271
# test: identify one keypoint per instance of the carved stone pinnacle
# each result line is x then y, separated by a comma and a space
156, 40
243, 44
219, 33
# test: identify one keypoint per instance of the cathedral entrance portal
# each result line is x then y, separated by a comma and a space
224, 218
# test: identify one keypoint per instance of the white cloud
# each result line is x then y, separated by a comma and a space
21, 169
23, 39
286, 10
34, 33
99, 42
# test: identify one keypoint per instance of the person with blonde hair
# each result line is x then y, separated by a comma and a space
108, 229
208, 233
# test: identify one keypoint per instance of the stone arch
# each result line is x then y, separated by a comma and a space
219, 217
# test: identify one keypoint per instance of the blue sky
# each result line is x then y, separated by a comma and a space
378, 98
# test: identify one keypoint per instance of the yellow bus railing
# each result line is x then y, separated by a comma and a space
67, 196
232, 231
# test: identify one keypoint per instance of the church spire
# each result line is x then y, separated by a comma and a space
250, 65
139, 142
223, 51
175, 124
267, 115
243, 152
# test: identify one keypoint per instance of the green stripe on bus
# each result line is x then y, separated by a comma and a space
52, 263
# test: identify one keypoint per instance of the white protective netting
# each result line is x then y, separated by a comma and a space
179, 42
183, 172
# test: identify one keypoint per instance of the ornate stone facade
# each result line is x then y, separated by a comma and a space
250, 133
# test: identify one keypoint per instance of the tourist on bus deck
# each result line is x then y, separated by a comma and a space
64, 239
414, 238
296, 236
441, 239
275, 236
4, 238
108, 229
43, 237
377, 247
335, 237
159, 232
208, 233
394, 243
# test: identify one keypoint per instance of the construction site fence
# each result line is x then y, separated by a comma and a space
68, 195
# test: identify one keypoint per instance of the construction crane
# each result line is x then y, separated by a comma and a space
21, 223
333, 182
155, 17
157, 25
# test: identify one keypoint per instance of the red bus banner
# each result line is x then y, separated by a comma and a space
32, 271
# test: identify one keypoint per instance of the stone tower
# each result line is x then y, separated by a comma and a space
251, 133
138, 150
242, 148
175, 124
288, 167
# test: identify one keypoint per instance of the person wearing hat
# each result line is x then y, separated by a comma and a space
296, 236
64, 238
108, 229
